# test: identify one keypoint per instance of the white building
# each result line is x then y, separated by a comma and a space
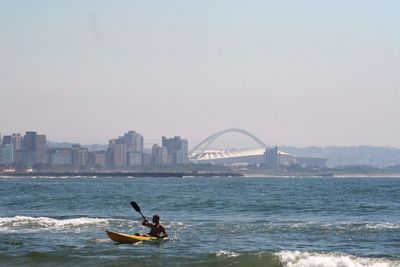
160, 155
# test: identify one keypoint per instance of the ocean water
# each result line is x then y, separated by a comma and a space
257, 221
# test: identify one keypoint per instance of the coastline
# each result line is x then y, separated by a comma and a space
327, 174
238, 173
125, 174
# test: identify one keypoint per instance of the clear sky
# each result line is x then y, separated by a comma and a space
290, 72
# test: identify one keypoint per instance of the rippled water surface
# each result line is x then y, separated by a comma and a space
212, 221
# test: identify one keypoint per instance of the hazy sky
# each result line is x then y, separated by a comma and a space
291, 72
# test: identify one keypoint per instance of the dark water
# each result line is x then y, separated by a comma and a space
213, 221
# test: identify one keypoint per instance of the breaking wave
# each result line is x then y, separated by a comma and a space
313, 259
33, 224
223, 253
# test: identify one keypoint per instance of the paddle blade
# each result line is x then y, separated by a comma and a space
135, 206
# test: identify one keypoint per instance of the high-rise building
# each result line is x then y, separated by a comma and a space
79, 157
16, 140
97, 159
147, 159
30, 141
126, 151
116, 154
272, 158
177, 149
133, 141
6, 139
134, 148
7, 154
41, 148
159, 155
134, 158
34, 149
60, 157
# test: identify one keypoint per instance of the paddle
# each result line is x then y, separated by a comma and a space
137, 208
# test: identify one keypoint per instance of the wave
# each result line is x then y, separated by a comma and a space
55, 177
35, 224
223, 253
300, 259
32, 224
348, 226
383, 226
108, 254
304, 227
311, 259
284, 227
341, 226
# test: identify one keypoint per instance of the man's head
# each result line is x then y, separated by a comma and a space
156, 219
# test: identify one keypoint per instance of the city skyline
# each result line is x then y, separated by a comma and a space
292, 73
228, 141
125, 152
144, 143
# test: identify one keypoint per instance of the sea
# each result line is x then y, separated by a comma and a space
211, 221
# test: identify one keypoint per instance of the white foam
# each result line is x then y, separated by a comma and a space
334, 226
102, 241
229, 254
176, 224
383, 226
31, 224
312, 259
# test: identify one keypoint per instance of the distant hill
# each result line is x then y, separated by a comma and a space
394, 168
350, 155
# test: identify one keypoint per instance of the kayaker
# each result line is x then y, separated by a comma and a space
156, 228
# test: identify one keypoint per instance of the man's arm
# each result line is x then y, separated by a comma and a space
163, 231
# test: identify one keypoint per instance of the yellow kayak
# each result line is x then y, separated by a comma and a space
130, 239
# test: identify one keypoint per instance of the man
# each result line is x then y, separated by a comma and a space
156, 228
